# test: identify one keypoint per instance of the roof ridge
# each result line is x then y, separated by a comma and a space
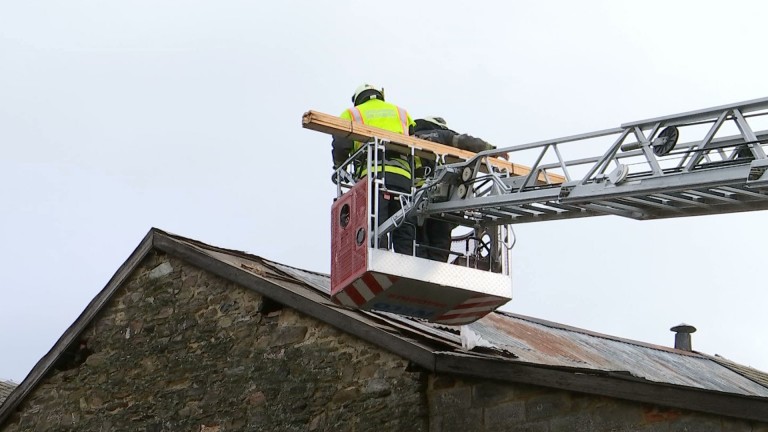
206, 245
242, 254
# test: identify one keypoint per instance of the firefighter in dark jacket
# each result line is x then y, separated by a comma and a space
434, 237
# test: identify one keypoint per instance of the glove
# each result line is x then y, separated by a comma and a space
504, 156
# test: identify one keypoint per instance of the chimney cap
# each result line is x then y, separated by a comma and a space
683, 328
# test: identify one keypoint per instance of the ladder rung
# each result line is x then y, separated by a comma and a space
647, 201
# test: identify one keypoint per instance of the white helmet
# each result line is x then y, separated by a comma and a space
365, 92
437, 121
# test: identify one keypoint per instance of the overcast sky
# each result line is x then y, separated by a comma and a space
116, 117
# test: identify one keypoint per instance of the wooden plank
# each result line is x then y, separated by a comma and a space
335, 125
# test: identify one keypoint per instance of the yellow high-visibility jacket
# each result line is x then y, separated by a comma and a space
384, 115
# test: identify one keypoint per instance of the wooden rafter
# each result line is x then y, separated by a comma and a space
334, 125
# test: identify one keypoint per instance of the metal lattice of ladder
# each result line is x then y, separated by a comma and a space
646, 173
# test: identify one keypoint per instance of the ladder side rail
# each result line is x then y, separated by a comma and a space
749, 136
593, 159
587, 160
476, 160
554, 142
606, 158
479, 203
671, 120
718, 144
544, 145
561, 163
727, 176
696, 156
703, 114
597, 190
724, 176
569, 138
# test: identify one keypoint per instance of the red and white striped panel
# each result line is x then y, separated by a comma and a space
471, 310
362, 290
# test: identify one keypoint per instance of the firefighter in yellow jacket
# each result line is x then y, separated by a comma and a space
370, 108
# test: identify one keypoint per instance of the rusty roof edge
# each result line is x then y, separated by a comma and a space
560, 326
618, 384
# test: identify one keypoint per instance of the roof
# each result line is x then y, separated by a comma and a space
507, 347
6, 387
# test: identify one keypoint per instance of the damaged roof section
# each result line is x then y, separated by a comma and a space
538, 342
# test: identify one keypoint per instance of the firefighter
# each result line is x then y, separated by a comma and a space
434, 236
370, 108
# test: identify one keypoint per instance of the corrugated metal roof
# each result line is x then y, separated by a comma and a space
535, 342
551, 344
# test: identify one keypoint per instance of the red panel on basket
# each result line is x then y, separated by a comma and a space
348, 256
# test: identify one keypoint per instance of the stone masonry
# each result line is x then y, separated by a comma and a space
468, 405
179, 349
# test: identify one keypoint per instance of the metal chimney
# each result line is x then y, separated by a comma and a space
683, 336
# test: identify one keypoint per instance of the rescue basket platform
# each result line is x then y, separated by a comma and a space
368, 278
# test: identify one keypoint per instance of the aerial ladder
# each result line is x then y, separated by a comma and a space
704, 162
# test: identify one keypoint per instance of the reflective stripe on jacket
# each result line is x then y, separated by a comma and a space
384, 115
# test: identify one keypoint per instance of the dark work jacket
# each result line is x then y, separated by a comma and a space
453, 139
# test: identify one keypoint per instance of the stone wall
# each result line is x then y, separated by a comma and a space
477, 405
179, 349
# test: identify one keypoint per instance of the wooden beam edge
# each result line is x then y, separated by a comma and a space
338, 126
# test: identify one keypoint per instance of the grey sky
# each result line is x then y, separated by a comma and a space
185, 115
